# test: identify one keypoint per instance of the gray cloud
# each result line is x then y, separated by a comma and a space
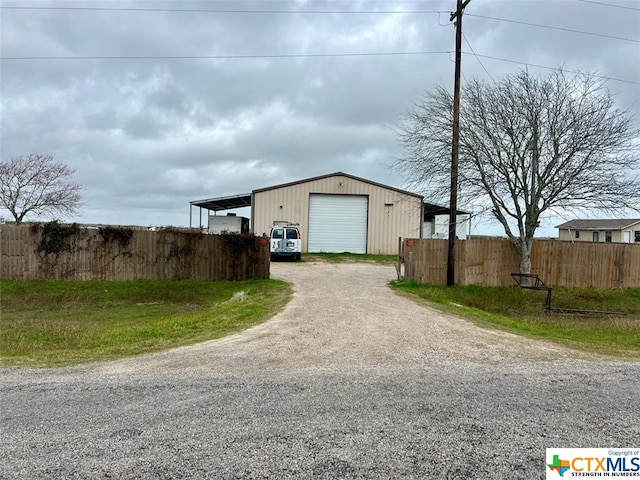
147, 135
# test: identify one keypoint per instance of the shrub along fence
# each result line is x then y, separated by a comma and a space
54, 251
490, 262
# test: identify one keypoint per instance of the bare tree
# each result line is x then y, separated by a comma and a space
37, 184
528, 145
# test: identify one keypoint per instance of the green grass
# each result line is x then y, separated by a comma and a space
522, 311
349, 257
47, 323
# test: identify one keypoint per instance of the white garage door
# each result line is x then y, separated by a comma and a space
338, 223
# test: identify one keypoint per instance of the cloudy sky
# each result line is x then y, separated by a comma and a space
158, 103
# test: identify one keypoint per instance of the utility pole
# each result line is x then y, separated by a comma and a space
455, 144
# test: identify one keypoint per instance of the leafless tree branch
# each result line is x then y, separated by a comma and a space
528, 144
38, 184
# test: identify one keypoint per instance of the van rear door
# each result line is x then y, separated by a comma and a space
293, 241
277, 237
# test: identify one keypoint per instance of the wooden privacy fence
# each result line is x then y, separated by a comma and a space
490, 262
53, 251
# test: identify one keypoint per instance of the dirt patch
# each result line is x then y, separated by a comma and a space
344, 316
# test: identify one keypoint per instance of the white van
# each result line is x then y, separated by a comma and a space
285, 242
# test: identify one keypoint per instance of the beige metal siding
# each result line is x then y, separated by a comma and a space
392, 214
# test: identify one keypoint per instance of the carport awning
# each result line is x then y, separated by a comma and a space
431, 210
224, 203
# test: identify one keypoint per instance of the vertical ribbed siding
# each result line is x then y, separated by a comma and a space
392, 214
338, 223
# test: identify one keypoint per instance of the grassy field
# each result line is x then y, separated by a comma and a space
522, 311
63, 323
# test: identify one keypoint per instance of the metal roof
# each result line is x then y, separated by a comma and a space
601, 224
244, 199
431, 210
224, 203
338, 174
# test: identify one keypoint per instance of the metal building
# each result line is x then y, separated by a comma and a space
335, 213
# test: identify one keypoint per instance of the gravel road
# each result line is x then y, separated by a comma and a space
350, 381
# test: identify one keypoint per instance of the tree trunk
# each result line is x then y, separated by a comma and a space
524, 248
525, 262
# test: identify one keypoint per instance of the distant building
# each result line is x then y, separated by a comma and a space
436, 222
337, 212
608, 230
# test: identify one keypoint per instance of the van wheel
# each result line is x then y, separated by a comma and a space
298, 257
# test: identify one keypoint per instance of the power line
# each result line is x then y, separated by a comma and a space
295, 55
217, 10
477, 58
610, 5
538, 25
604, 77
221, 57
321, 12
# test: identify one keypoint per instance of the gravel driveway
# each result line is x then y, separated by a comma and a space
350, 381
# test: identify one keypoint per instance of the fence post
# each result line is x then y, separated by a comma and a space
400, 259
409, 258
